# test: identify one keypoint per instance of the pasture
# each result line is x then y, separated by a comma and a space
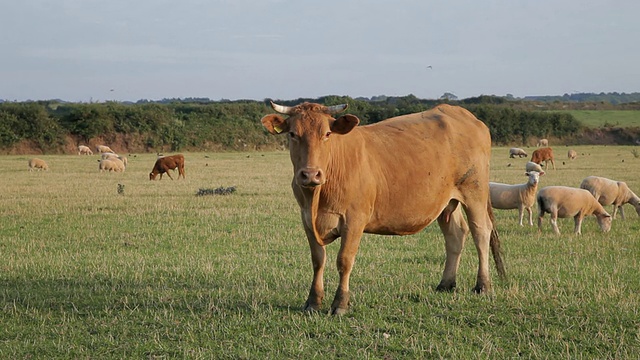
158, 272
600, 118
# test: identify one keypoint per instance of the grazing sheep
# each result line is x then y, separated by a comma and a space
110, 155
103, 149
543, 154
572, 154
608, 192
115, 165
124, 160
84, 150
519, 196
39, 164
542, 143
531, 166
513, 152
564, 202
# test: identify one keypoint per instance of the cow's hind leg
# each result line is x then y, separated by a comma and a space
455, 229
318, 260
480, 225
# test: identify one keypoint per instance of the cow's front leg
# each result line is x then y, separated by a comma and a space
318, 259
349, 245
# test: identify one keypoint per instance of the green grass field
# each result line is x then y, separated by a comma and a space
599, 118
160, 273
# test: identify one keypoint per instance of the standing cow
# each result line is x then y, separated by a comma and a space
394, 177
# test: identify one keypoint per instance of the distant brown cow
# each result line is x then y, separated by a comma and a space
164, 164
543, 154
393, 177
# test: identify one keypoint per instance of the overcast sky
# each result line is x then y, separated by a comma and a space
97, 50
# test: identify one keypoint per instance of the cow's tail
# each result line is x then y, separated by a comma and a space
494, 243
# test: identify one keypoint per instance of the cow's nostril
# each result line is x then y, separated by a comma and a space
310, 177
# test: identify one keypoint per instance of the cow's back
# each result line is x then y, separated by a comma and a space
423, 158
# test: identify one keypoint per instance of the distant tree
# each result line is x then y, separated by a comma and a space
448, 96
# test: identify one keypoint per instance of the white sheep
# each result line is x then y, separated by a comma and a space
110, 155
542, 143
609, 192
513, 152
84, 150
104, 149
36, 163
115, 165
519, 196
572, 154
564, 202
531, 166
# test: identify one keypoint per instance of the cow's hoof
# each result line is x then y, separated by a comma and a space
443, 287
338, 311
311, 308
480, 289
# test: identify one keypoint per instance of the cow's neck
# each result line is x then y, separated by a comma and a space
327, 195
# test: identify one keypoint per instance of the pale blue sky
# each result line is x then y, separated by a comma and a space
96, 50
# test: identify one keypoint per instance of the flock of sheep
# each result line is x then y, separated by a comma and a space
562, 201
109, 160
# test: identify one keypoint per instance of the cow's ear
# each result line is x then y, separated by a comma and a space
275, 124
344, 124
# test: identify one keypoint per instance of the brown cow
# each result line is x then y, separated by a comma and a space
166, 163
394, 177
543, 154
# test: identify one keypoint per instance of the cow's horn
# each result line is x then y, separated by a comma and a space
337, 108
281, 108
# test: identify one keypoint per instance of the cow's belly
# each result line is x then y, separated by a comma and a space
402, 222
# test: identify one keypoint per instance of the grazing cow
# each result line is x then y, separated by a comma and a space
543, 143
393, 177
166, 163
543, 154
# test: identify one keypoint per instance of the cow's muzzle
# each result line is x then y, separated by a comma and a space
310, 177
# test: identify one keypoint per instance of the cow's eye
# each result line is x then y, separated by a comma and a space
326, 136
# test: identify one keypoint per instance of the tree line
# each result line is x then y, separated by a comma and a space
235, 125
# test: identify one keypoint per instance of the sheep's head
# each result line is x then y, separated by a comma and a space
534, 176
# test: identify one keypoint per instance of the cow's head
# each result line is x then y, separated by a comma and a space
309, 128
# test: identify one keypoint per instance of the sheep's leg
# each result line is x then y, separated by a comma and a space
540, 216
530, 215
578, 220
521, 213
554, 223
